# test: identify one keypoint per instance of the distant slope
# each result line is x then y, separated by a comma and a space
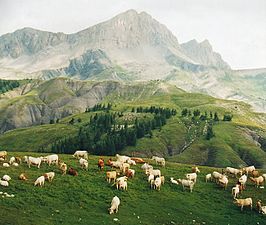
40, 101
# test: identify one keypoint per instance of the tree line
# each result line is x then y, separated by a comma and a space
205, 116
7, 85
103, 135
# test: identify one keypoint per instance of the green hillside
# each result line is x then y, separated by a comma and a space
85, 199
182, 139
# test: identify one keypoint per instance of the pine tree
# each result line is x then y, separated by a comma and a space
216, 118
209, 133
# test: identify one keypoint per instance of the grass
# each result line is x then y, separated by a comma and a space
36, 137
85, 199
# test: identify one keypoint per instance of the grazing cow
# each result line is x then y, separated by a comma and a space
51, 159
195, 169
101, 163
72, 172
153, 172
138, 160
116, 164
158, 160
241, 187
6, 165
208, 177
130, 173
125, 167
81, 154
15, 164
230, 170
40, 181
63, 168
122, 158
146, 166
3, 154
258, 181
243, 202
248, 169
261, 209
6, 178
131, 162
12, 160
223, 181
34, 161
157, 183
192, 176
173, 181
111, 175
4, 183
84, 163
109, 162
122, 185
114, 205
22, 176
243, 180
255, 173
49, 176
236, 191
186, 183
216, 176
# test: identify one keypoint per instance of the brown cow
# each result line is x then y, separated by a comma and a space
138, 160
109, 162
101, 163
72, 172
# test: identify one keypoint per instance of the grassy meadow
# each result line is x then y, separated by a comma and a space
85, 199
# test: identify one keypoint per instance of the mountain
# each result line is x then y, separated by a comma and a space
203, 54
130, 47
132, 40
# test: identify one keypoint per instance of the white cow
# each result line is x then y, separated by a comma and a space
158, 160
114, 205
81, 154
6, 178
34, 161
40, 181
122, 158
146, 166
49, 176
84, 163
51, 159
4, 183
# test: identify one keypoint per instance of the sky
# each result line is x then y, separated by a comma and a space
235, 28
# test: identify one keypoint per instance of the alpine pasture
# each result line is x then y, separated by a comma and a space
85, 199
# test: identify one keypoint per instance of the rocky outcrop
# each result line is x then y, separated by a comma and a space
203, 54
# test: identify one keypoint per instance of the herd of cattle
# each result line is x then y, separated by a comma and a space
120, 172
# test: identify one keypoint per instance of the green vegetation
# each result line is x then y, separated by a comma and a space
105, 134
85, 199
9, 85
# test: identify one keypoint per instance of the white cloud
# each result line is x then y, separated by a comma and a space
235, 28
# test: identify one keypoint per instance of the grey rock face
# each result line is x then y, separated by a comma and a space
203, 54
